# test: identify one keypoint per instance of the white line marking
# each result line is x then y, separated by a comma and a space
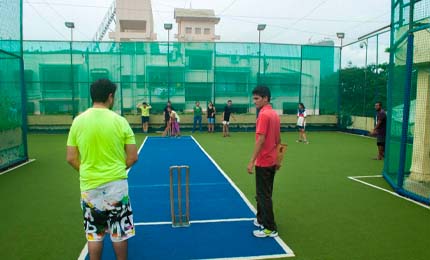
365, 136
242, 195
367, 176
249, 257
84, 252
203, 221
141, 146
16, 167
355, 178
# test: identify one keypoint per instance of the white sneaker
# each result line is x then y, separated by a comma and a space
257, 224
265, 233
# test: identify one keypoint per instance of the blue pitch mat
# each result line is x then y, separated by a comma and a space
221, 218
199, 241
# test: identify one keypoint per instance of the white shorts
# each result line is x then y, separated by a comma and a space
107, 209
225, 122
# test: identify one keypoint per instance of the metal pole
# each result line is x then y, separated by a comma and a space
259, 56
377, 64
365, 83
120, 80
24, 123
214, 81
377, 52
168, 65
340, 84
301, 74
72, 85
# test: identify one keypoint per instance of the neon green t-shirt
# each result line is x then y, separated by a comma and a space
100, 135
145, 110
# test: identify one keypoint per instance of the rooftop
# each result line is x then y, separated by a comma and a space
181, 13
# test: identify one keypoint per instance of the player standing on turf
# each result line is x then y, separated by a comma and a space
226, 119
101, 146
264, 158
301, 123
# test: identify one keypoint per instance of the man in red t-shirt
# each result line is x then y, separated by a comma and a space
267, 137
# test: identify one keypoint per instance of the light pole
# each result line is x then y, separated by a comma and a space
71, 26
341, 36
260, 28
168, 27
362, 45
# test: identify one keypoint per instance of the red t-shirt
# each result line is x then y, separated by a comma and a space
269, 125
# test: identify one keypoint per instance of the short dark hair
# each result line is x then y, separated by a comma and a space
262, 91
100, 90
379, 102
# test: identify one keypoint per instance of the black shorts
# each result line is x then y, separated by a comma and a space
145, 119
380, 139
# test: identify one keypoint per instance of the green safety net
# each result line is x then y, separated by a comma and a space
409, 171
13, 149
58, 75
363, 82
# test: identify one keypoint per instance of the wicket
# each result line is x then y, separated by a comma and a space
180, 220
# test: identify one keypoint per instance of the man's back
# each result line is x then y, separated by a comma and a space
100, 136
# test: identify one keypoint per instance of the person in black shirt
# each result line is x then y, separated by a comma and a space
226, 119
211, 111
380, 130
167, 113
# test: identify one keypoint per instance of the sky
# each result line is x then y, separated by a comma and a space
288, 21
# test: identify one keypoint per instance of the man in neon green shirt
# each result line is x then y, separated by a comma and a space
144, 107
101, 146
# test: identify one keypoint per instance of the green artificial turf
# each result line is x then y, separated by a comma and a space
321, 214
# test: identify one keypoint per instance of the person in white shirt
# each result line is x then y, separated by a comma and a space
301, 123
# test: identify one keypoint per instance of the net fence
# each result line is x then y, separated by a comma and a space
13, 149
407, 166
58, 75
363, 81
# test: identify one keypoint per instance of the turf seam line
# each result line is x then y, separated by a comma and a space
356, 178
245, 199
18, 166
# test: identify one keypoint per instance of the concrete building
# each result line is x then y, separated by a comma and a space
196, 25
134, 21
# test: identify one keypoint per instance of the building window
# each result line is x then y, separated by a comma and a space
198, 30
188, 30
207, 31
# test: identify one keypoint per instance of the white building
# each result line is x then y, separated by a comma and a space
134, 21
196, 25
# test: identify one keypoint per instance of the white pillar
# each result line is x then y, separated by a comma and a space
420, 169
